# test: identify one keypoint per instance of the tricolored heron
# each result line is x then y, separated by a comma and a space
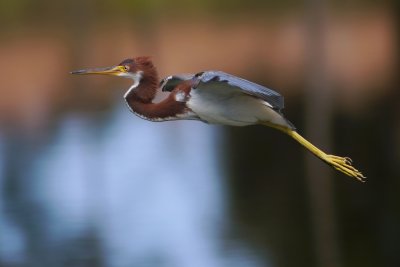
212, 97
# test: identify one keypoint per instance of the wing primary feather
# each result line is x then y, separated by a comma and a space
275, 99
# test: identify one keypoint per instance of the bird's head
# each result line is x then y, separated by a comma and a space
132, 68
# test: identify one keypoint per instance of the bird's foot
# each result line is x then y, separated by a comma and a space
343, 164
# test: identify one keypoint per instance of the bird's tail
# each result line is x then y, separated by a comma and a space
342, 164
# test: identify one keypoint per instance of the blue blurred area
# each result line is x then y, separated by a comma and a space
127, 191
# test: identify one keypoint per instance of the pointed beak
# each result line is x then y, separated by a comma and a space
114, 70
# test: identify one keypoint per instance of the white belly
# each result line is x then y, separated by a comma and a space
236, 109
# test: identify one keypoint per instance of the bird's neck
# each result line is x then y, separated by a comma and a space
146, 91
140, 101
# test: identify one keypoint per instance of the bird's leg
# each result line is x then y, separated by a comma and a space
342, 164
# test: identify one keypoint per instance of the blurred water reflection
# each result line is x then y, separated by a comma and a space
125, 193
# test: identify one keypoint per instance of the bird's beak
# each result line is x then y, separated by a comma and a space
114, 70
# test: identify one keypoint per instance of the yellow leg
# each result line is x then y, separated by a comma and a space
342, 164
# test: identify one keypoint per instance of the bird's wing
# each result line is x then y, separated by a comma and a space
169, 83
208, 78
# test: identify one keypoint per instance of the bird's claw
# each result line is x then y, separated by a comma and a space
344, 165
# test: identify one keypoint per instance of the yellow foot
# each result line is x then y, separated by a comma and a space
343, 164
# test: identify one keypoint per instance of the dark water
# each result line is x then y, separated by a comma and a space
126, 193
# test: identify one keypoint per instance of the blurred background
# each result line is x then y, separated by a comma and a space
83, 182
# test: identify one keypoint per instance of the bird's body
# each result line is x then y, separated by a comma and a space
213, 97
230, 108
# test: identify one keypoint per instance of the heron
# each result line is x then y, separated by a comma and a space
213, 97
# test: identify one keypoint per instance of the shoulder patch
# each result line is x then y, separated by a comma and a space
181, 96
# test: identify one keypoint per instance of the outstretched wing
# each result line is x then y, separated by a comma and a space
208, 78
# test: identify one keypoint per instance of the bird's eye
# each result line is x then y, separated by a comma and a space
126, 68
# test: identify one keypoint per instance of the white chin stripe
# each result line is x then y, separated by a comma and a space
136, 77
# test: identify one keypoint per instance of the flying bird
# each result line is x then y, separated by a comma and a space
212, 97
